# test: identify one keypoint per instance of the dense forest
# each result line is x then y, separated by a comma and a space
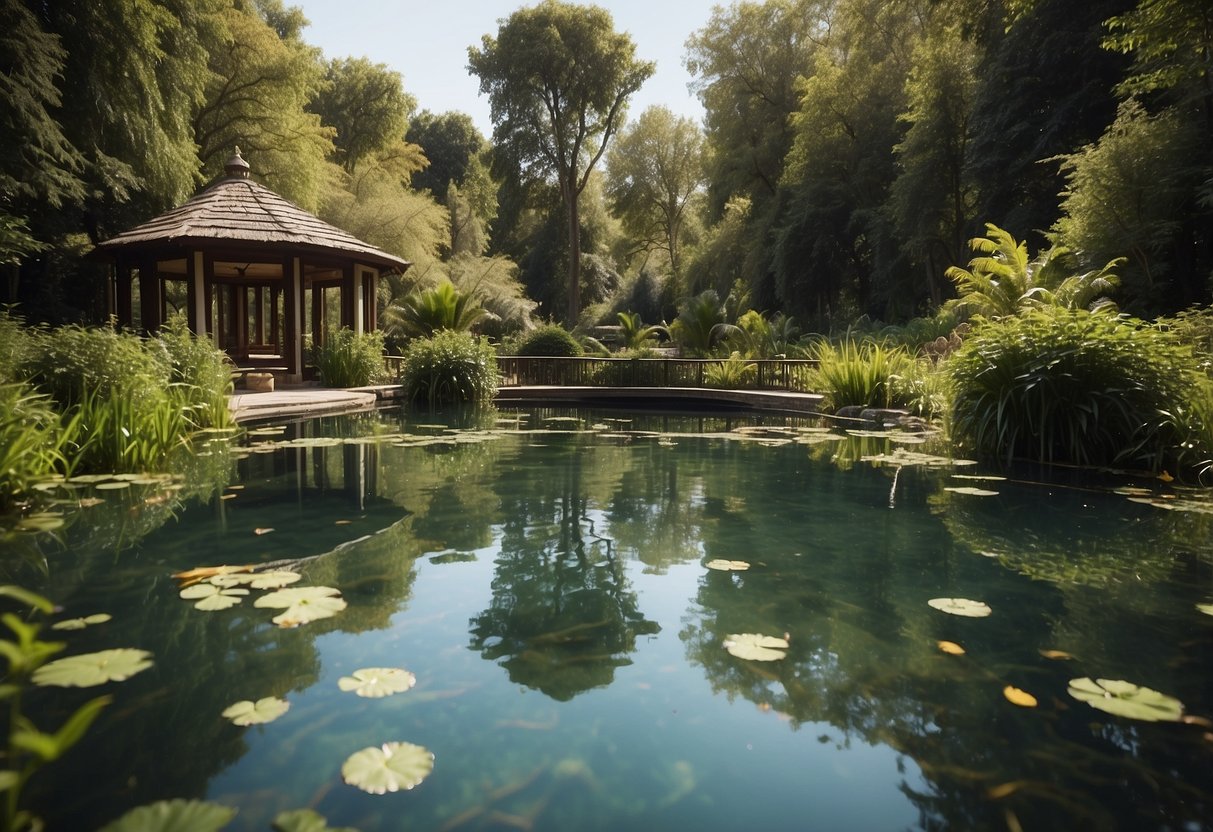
850, 150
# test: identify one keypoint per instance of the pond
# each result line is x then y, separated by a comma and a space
543, 574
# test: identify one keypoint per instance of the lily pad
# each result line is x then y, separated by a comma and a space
756, 647
81, 623
727, 565
971, 491
377, 682
305, 820
211, 597
303, 604
1116, 696
258, 580
91, 669
247, 712
173, 816
1207, 609
388, 768
961, 606
116, 485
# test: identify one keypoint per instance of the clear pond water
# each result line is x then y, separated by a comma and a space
545, 580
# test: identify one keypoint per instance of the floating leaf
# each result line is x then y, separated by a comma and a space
377, 682
305, 820
258, 580
202, 573
961, 606
388, 768
247, 712
81, 623
756, 647
1116, 696
1019, 697
173, 816
117, 485
1056, 655
211, 598
40, 522
951, 648
90, 669
261, 531
971, 491
303, 604
1207, 609
727, 565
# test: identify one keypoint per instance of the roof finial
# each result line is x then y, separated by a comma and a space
236, 166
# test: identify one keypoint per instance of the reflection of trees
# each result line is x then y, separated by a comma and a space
654, 514
863, 661
562, 616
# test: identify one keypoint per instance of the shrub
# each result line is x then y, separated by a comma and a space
1058, 385
700, 324
450, 367
862, 375
347, 359
72, 362
734, 372
549, 339
16, 347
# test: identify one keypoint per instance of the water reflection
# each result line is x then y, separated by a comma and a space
569, 562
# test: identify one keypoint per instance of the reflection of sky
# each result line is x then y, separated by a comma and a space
656, 735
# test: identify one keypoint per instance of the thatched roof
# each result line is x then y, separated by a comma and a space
235, 210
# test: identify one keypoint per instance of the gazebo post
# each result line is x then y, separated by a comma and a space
275, 299
292, 270
258, 314
347, 297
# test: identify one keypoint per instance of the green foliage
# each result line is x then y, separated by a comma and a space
427, 311
493, 282
28, 749
1060, 385
346, 359
701, 324
558, 77
367, 105
32, 441
73, 362
757, 337
450, 367
859, 374
634, 334
201, 376
654, 171
733, 372
1003, 281
549, 339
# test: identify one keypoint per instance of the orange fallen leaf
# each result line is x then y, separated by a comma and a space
1006, 789
1165, 477
1060, 655
262, 531
951, 648
1019, 697
1193, 719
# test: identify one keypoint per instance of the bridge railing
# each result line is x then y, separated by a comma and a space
759, 374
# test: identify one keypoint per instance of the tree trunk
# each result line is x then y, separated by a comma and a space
574, 256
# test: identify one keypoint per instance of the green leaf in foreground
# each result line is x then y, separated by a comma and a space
303, 604
247, 712
756, 647
211, 597
173, 816
81, 623
961, 606
1207, 609
1116, 696
376, 682
90, 669
388, 768
305, 820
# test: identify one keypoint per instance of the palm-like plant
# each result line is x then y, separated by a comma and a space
756, 337
1002, 281
701, 324
634, 334
427, 311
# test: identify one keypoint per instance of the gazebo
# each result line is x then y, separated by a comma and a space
250, 269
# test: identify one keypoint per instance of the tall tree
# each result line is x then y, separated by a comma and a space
369, 108
451, 142
654, 171
558, 77
264, 77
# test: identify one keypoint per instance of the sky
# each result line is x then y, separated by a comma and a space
427, 43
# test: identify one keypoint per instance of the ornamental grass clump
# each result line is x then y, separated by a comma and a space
347, 359
550, 340
859, 375
32, 441
1060, 385
451, 367
200, 372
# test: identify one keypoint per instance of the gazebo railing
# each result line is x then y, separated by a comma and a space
766, 374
